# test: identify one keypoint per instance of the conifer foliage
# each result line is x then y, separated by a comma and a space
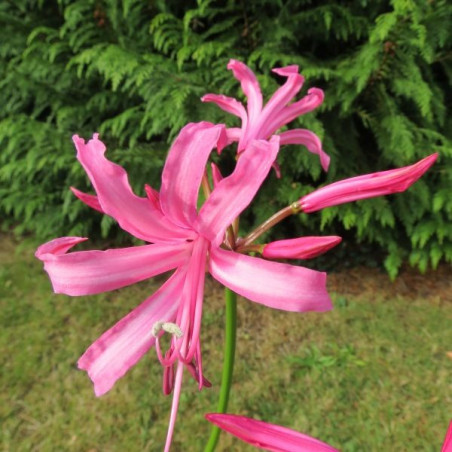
135, 72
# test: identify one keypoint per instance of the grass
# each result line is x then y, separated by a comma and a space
372, 375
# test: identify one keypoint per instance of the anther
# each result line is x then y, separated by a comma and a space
168, 327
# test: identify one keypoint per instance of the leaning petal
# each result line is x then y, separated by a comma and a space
216, 175
311, 101
233, 134
122, 346
134, 214
89, 200
272, 284
366, 186
90, 272
184, 169
308, 139
250, 86
300, 248
267, 436
233, 194
228, 104
281, 97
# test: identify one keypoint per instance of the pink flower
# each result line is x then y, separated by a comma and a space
181, 239
262, 123
366, 186
268, 436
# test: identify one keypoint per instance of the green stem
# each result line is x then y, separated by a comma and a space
228, 363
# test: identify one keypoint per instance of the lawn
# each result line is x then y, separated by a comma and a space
372, 375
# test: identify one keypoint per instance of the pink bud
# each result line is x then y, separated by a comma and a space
366, 186
300, 248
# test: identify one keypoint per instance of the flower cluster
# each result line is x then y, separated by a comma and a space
191, 241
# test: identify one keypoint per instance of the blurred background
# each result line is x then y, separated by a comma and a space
372, 375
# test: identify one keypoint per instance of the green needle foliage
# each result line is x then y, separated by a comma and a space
134, 71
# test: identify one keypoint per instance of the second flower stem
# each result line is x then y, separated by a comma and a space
228, 363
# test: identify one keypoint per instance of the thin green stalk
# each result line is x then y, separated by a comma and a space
228, 363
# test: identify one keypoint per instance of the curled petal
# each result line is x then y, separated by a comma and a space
89, 200
300, 248
153, 196
233, 134
311, 101
57, 247
168, 379
184, 169
216, 175
228, 104
134, 214
308, 139
366, 186
250, 86
90, 272
281, 97
277, 169
233, 194
194, 372
268, 436
120, 348
279, 286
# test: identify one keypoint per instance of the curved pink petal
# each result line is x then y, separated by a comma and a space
122, 346
233, 194
153, 196
308, 139
90, 272
366, 186
279, 286
184, 169
89, 200
300, 248
447, 446
228, 104
277, 169
134, 214
233, 134
250, 86
268, 436
216, 175
281, 96
203, 382
311, 101
58, 247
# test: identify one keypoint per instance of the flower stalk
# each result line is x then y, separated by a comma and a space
228, 363
293, 209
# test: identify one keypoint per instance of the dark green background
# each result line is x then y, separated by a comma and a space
135, 71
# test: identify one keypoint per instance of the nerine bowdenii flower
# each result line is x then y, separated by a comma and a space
260, 122
182, 239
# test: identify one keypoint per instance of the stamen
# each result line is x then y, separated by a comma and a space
168, 327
